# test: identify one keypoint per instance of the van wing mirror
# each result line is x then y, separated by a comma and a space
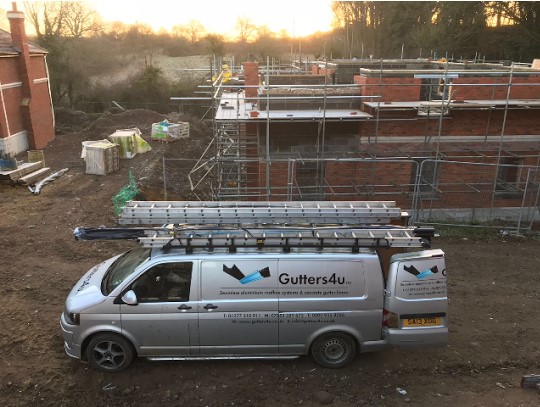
130, 298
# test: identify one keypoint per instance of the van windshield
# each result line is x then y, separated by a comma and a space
123, 267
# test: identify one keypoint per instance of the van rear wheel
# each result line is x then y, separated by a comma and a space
109, 352
333, 350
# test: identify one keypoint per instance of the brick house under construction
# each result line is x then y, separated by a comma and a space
382, 130
26, 112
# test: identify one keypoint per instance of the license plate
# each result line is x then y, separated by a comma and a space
431, 321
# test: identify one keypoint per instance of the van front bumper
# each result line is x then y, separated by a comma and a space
416, 338
68, 332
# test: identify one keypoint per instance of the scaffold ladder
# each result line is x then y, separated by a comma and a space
348, 213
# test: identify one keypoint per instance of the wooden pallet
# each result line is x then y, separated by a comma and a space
33, 177
23, 169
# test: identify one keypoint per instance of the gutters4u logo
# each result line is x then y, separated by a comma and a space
422, 274
250, 278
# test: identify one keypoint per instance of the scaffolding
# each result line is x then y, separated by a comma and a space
246, 161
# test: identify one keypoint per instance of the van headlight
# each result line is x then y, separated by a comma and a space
72, 317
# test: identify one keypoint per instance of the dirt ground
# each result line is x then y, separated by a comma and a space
493, 290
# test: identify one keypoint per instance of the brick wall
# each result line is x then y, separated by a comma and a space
28, 107
458, 123
37, 67
9, 71
12, 100
390, 89
488, 87
496, 87
251, 78
42, 116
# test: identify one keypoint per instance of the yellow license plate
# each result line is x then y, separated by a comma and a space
431, 321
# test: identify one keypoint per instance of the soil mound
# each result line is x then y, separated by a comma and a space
70, 120
109, 122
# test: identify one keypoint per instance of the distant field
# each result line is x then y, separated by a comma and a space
173, 67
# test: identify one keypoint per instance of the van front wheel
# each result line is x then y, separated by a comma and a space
109, 352
333, 350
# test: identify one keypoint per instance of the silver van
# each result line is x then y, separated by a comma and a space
170, 303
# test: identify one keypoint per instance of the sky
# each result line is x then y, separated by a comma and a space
298, 17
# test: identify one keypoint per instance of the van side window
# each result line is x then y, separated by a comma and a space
166, 282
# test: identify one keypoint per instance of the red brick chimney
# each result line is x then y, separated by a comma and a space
18, 37
251, 79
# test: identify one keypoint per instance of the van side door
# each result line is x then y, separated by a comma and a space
238, 307
164, 322
416, 300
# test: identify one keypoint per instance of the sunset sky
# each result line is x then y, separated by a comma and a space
298, 17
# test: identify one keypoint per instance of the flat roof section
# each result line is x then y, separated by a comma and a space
465, 104
234, 107
334, 114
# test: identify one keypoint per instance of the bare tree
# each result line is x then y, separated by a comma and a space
46, 17
117, 30
62, 18
246, 29
81, 20
193, 31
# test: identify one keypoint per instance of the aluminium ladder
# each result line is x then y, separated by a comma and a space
242, 213
262, 225
285, 238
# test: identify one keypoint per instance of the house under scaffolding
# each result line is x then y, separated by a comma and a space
360, 129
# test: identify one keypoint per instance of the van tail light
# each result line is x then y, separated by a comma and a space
390, 319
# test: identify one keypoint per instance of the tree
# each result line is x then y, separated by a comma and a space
58, 26
81, 20
193, 31
458, 26
513, 30
63, 18
117, 30
266, 44
246, 29
138, 35
47, 17
215, 44
525, 14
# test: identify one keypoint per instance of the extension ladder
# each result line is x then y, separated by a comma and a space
258, 213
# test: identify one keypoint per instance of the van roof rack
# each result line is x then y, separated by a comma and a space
262, 225
232, 238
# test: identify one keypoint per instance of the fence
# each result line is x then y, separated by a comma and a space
502, 195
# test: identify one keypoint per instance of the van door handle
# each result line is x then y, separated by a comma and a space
184, 307
210, 306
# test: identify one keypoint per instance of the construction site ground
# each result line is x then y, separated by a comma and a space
493, 291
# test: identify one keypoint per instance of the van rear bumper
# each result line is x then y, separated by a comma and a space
374, 346
416, 338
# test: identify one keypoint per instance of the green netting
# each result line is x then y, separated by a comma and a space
126, 193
